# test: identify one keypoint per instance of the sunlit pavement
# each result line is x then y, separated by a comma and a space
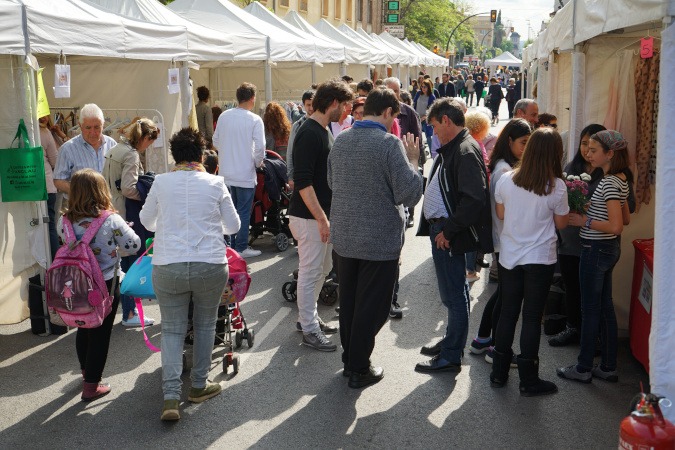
290, 396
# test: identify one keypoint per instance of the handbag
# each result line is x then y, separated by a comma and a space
22, 170
137, 282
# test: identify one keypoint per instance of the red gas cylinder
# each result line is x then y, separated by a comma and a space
646, 428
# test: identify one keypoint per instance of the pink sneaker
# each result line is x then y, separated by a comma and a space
93, 391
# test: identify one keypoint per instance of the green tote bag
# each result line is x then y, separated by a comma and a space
22, 170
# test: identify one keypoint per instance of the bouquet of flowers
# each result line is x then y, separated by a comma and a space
577, 191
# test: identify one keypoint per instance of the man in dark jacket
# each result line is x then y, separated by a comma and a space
446, 88
456, 216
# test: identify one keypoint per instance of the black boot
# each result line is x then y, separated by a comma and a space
501, 363
530, 384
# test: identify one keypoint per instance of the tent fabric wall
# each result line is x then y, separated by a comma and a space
662, 338
16, 261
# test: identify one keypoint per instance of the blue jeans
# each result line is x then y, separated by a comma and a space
243, 202
128, 303
454, 291
598, 259
471, 261
175, 284
428, 131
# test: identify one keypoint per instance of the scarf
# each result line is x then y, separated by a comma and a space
190, 166
369, 124
612, 139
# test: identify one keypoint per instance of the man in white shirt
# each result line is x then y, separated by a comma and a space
240, 140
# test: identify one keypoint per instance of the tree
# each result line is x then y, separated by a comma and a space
507, 46
430, 22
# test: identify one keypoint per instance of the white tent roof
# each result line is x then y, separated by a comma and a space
204, 44
79, 28
442, 62
225, 16
326, 51
368, 41
399, 57
365, 52
505, 59
416, 57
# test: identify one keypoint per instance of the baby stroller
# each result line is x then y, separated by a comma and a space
231, 320
270, 202
327, 296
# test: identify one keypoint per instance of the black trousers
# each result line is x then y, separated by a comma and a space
523, 286
92, 343
569, 268
512, 104
490, 318
366, 292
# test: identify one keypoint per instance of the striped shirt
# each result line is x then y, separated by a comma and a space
433, 206
610, 187
77, 154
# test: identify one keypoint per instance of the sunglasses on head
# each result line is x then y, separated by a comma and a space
552, 125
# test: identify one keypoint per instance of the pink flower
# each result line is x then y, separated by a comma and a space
573, 189
584, 191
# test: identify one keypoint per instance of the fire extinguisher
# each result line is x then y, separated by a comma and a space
646, 428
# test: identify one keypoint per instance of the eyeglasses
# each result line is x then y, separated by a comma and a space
552, 125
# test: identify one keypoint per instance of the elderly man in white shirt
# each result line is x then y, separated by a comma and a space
240, 140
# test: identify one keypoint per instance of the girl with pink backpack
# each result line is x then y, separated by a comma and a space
90, 206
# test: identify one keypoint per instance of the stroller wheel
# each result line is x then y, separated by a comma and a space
225, 366
281, 240
250, 338
289, 292
235, 364
238, 339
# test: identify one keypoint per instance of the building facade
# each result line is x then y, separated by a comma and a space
482, 26
366, 14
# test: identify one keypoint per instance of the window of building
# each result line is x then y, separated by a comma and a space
338, 9
359, 10
369, 12
350, 6
324, 7
303, 5
283, 3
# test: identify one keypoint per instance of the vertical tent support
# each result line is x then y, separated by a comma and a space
577, 94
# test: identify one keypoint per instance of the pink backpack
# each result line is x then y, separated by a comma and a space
77, 295
239, 279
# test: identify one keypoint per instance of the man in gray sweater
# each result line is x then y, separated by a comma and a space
373, 175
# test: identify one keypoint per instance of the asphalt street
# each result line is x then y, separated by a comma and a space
287, 395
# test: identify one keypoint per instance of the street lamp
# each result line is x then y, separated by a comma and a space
481, 45
447, 47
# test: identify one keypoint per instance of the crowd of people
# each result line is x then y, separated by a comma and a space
355, 157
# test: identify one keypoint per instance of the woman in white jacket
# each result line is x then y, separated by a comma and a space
189, 210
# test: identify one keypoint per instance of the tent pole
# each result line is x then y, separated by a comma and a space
185, 93
343, 69
577, 97
29, 109
268, 82
313, 73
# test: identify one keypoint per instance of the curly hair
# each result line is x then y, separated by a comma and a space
187, 145
276, 122
478, 124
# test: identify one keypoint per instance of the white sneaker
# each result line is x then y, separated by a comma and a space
136, 321
249, 253
471, 277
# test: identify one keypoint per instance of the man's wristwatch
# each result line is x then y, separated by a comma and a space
588, 223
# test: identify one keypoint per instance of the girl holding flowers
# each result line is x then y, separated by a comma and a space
601, 227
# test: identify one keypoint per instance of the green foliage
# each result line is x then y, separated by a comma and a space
430, 22
507, 46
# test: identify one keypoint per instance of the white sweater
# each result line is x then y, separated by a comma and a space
240, 140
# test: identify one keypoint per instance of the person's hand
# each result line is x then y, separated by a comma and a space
577, 220
290, 185
412, 148
324, 230
441, 242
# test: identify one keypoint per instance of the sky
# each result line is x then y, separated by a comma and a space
520, 11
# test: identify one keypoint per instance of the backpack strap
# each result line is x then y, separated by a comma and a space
95, 226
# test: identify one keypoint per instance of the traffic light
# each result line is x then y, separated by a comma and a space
436, 49
512, 29
493, 16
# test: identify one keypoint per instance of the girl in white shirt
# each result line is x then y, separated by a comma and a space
532, 202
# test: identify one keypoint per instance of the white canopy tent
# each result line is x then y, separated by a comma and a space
330, 55
285, 59
506, 59
586, 60
106, 53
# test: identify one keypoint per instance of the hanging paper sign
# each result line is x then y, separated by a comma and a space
42, 105
647, 47
61, 81
174, 81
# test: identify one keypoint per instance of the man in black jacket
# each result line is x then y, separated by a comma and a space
446, 88
456, 216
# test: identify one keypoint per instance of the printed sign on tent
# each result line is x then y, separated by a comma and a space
174, 81
42, 104
61, 81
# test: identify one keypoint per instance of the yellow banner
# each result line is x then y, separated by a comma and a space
42, 104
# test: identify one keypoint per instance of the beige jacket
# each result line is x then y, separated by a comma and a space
122, 163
